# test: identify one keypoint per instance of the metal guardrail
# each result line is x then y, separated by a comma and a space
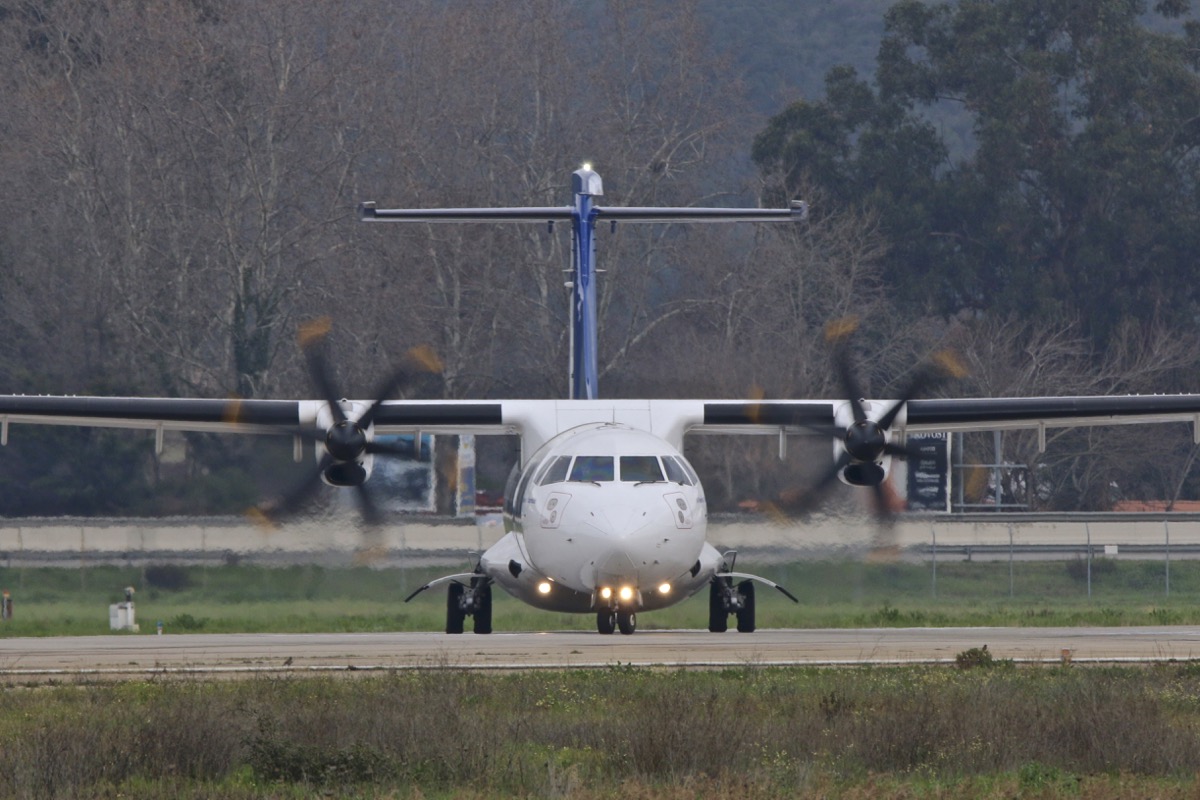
1081, 549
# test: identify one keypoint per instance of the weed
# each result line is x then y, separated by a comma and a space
850, 733
888, 615
185, 622
291, 762
1036, 776
973, 658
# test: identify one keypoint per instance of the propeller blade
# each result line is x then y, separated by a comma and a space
371, 514
291, 502
850, 385
318, 372
838, 333
802, 502
944, 364
417, 360
393, 450
924, 380
900, 450
883, 502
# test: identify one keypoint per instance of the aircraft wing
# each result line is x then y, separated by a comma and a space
176, 414
508, 416
1007, 413
959, 414
954, 414
238, 416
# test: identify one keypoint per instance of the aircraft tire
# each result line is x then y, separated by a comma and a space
627, 622
606, 621
718, 617
483, 611
745, 617
454, 613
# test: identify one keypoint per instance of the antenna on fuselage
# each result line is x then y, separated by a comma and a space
586, 185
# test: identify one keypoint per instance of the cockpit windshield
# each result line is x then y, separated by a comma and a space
641, 469
592, 469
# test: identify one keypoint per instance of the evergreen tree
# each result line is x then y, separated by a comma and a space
1079, 194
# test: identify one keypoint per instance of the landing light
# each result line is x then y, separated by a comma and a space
664, 588
606, 593
626, 593
587, 165
544, 587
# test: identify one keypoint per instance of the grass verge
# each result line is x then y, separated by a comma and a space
994, 731
299, 599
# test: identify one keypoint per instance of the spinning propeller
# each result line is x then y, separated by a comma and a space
346, 437
861, 439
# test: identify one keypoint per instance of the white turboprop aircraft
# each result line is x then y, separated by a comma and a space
603, 514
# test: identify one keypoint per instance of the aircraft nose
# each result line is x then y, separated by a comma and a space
615, 567
632, 548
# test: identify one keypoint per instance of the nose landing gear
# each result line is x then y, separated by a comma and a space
609, 620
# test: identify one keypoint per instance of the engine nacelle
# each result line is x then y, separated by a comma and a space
348, 473
342, 453
861, 439
866, 474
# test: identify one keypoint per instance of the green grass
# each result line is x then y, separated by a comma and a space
74, 601
924, 732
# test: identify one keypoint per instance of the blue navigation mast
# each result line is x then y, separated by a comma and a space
584, 215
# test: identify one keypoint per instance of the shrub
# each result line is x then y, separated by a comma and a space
975, 657
186, 622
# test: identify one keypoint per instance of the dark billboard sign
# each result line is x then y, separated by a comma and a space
929, 472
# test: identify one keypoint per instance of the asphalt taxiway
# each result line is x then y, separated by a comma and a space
230, 654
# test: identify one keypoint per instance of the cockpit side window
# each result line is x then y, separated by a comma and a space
555, 471
589, 469
541, 470
687, 467
675, 472
640, 469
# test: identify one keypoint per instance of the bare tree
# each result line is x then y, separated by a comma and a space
1088, 468
195, 162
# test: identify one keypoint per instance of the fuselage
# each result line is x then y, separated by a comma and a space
603, 516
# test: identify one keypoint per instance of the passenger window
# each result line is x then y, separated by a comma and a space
592, 468
675, 472
640, 468
556, 471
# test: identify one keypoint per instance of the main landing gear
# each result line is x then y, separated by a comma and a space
724, 599
469, 601
609, 620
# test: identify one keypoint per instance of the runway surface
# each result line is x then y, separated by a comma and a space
217, 654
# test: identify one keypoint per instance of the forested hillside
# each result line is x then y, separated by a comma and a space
178, 182
784, 48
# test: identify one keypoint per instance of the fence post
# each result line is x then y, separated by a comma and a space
1087, 527
1010, 560
1167, 535
933, 550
